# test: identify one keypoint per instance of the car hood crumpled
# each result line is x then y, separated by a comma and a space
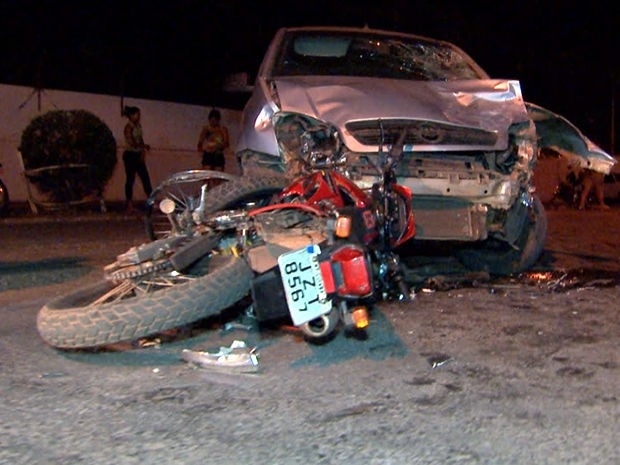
491, 104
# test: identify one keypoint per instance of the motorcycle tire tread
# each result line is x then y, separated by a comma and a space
66, 324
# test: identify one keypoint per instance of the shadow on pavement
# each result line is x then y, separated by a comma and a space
165, 349
27, 274
382, 343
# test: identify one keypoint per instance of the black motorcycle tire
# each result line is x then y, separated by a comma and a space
4, 199
255, 190
68, 322
181, 187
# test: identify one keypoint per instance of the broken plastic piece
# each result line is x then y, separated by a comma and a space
146, 342
238, 358
232, 326
437, 360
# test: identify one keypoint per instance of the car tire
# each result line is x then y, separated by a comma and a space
500, 258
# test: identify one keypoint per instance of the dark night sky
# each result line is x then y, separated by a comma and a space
563, 52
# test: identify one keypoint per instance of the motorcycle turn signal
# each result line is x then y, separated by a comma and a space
359, 316
343, 226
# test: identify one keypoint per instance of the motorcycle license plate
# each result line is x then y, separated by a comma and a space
303, 284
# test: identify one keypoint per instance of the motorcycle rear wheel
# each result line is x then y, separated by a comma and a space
184, 190
110, 312
321, 329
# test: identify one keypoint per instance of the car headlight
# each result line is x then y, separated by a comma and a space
306, 139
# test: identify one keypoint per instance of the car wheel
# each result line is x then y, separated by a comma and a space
500, 258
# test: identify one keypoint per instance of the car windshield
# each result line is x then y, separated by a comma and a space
311, 53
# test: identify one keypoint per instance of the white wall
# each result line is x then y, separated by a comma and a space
171, 129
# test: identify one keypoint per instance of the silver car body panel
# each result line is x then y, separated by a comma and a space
562, 136
472, 140
489, 105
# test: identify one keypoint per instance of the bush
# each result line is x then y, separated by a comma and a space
55, 142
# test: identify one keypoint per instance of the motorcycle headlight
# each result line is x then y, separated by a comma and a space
304, 138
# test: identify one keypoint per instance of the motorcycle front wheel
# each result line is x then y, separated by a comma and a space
109, 312
159, 299
229, 192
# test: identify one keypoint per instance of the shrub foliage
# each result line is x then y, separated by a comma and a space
68, 154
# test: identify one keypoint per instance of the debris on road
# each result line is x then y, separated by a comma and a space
231, 326
237, 358
436, 360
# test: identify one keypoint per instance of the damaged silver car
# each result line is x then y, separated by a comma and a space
470, 145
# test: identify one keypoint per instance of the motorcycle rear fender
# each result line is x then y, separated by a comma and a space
347, 272
268, 296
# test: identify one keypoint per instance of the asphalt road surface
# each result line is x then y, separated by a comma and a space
522, 370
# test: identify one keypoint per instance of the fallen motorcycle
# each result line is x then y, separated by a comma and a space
322, 242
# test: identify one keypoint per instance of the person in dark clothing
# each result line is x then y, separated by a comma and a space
134, 157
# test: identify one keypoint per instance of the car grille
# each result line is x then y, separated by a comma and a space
418, 133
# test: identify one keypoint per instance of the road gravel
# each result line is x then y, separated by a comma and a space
519, 370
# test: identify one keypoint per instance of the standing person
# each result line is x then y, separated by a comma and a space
134, 157
213, 141
592, 181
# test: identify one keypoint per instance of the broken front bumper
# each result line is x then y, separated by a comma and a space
445, 219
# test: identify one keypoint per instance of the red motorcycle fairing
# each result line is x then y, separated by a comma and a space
346, 272
319, 188
364, 226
